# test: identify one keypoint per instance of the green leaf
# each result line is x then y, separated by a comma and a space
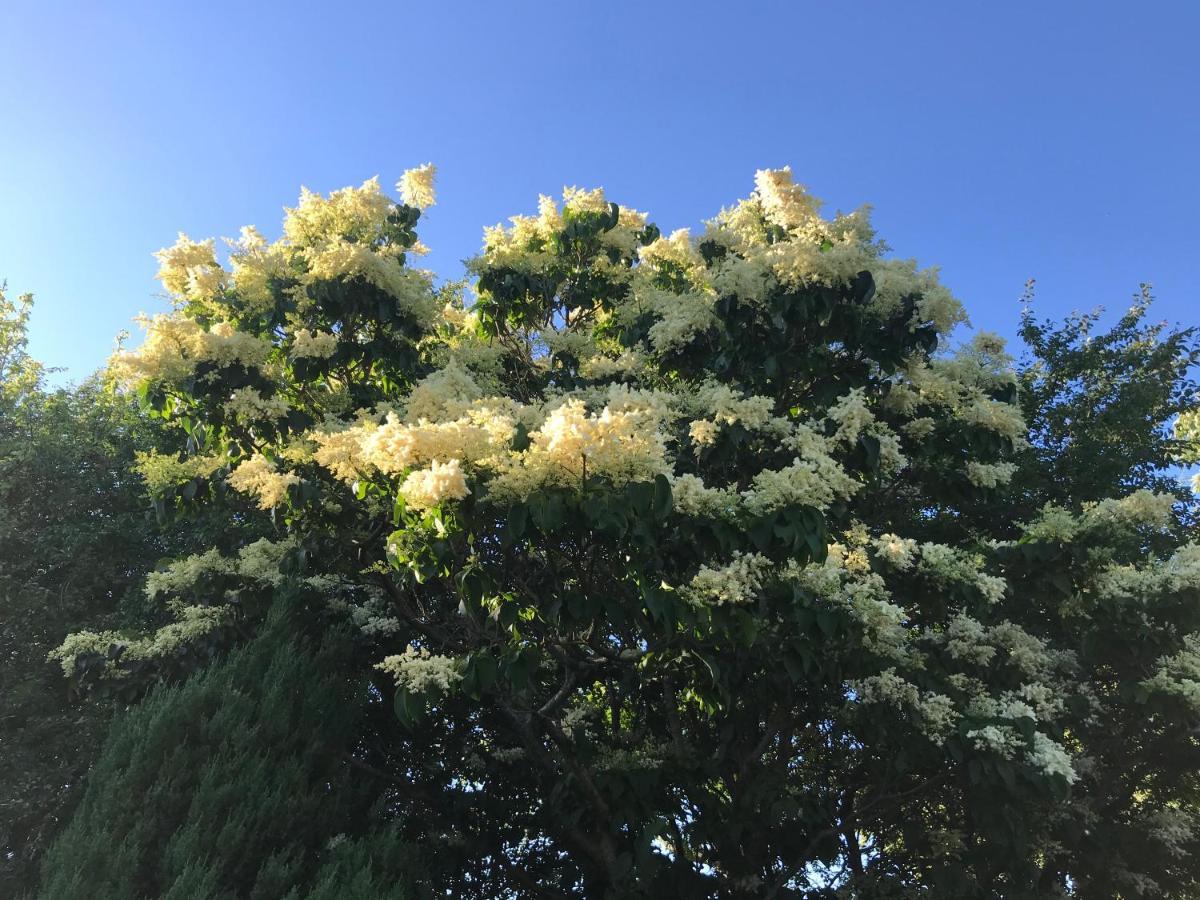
518, 519
663, 502
548, 511
520, 439
828, 622
480, 674
871, 447
408, 707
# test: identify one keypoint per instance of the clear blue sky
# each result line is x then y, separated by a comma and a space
1003, 141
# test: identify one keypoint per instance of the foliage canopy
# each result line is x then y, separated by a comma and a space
692, 565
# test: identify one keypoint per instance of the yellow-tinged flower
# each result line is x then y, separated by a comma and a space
189, 270
416, 186
258, 477
315, 344
426, 488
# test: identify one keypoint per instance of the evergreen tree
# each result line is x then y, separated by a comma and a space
236, 784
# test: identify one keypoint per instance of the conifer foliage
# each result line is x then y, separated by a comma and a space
235, 785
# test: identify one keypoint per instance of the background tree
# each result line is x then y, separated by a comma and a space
1102, 406
77, 537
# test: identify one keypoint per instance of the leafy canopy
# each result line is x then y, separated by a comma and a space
666, 553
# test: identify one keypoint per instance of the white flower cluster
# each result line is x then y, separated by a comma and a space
371, 618
933, 713
259, 477
313, 344
160, 471
1051, 758
189, 270
813, 251
248, 405
416, 186
614, 443
960, 386
816, 481
343, 235
896, 551
259, 562
722, 406
418, 670
738, 582
427, 488
949, 564
1179, 673
692, 498
192, 623
845, 580
522, 246
992, 475
1178, 573
1140, 509
175, 345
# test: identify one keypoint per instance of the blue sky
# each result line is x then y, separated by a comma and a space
1002, 141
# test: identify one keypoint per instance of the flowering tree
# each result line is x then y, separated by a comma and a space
664, 551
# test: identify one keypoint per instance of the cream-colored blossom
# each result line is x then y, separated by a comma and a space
183, 574
1139, 508
160, 470
175, 345
1051, 758
953, 565
572, 443
676, 250
691, 497
967, 639
416, 186
1181, 571
418, 670
992, 475
682, 318
396, 446
444, 394
703, 433
338, 258
262, 559
734, 583
815, 481
192, 624
1003, 740
350, 214
600, 366
898, 552
248, 405
259, 477
313, 344
786, 203
851, 415
189, 270
257, 266
1179, 673
426, 488
341, 452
